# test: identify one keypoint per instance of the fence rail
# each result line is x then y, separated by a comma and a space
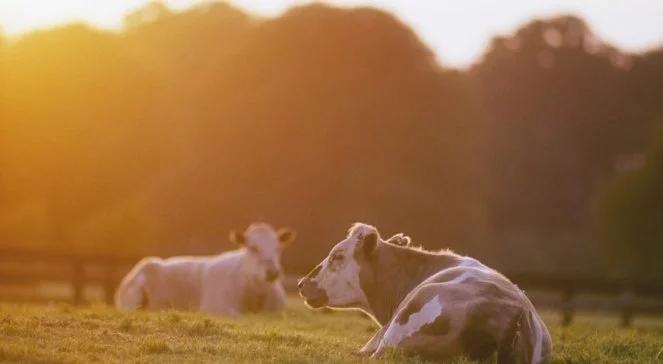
78, 271
626, 296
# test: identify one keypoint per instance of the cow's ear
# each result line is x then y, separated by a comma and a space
237, 238
368, 244
400, 239
286, 236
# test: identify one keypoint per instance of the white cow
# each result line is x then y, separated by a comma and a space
435, 304
234, 282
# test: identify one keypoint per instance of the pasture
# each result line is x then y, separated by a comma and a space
62, 333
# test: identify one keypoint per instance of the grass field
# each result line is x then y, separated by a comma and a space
67, 334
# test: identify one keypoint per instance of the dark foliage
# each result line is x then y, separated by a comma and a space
165, 136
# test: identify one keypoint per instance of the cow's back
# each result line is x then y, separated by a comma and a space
223, 282
175, 283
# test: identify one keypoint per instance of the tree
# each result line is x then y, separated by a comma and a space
631, 215
326, 116
559, 115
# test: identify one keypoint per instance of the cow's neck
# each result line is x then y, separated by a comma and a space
253, 289
397, 271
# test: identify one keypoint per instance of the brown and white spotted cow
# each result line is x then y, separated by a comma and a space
436, 304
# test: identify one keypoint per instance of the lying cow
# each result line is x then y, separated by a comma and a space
436, 304
234, 282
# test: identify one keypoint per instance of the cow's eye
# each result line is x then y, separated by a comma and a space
337, 258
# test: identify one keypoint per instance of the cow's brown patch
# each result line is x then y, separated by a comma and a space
478, 341
366, 272
441, 326
490, 289
393, 271
507, 348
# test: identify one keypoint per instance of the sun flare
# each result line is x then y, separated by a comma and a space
20, 16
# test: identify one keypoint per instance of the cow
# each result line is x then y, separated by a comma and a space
438, 305
234, 282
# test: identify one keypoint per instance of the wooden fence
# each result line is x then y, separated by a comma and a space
624, 296
562, 293
78, 271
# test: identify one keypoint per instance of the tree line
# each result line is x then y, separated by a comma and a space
161, 137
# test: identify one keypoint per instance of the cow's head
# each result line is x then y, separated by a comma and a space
263, 250
339, 279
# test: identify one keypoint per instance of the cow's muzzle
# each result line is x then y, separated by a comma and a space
314, 296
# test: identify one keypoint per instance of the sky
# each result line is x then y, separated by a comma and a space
457, 31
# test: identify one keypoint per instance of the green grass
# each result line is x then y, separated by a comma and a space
67, 334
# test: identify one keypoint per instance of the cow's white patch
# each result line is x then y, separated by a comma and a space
396, 332
339, 277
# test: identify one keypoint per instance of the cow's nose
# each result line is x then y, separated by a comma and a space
272, 275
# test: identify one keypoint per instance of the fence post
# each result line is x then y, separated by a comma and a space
567, 308
626, 308
78, 282
109, 284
